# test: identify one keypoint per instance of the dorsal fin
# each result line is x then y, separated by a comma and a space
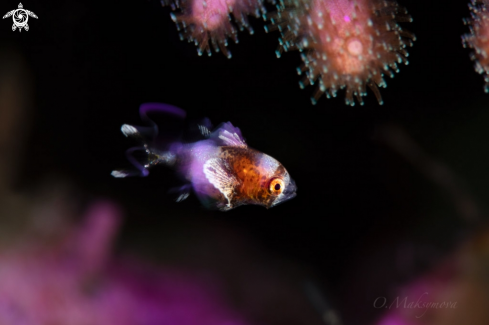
205, 127
228, 135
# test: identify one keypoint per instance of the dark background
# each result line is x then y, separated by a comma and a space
93, 63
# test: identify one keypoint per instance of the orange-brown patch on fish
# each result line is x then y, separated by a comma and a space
245, 164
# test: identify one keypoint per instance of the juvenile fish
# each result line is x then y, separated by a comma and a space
220, 168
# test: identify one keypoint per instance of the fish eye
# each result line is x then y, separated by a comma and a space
276, 186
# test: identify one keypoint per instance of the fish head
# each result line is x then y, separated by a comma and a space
282, 188
278, 186
235, 176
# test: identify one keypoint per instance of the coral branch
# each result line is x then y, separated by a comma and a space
478, 38
347, 44
207, 22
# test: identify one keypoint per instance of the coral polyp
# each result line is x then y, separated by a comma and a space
207, 22
347, 44
478, 38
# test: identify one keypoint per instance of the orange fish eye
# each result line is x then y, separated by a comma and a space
276, 186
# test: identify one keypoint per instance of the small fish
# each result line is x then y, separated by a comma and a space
221, 169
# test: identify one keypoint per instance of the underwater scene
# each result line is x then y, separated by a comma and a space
244, 162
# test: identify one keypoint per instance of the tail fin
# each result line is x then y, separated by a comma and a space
151, 158
148, 135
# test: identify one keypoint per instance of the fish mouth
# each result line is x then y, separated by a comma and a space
291, 196
290, 191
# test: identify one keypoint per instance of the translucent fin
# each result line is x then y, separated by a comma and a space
204, 127
142, 170
138, 132
197, 130
204, 131
129, 130
156, 148
122, 173
183, 192
146, 108
228, 135
218, 173
168, 117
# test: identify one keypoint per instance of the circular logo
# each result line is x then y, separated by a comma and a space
20, 17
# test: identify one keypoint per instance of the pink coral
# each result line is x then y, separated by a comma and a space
450, 294
76, 281
478, 38
206, 22
347, 44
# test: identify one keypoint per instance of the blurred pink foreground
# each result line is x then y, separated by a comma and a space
75, 281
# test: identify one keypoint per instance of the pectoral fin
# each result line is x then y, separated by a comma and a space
218, 173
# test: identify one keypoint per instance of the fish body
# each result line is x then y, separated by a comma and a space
221, 169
